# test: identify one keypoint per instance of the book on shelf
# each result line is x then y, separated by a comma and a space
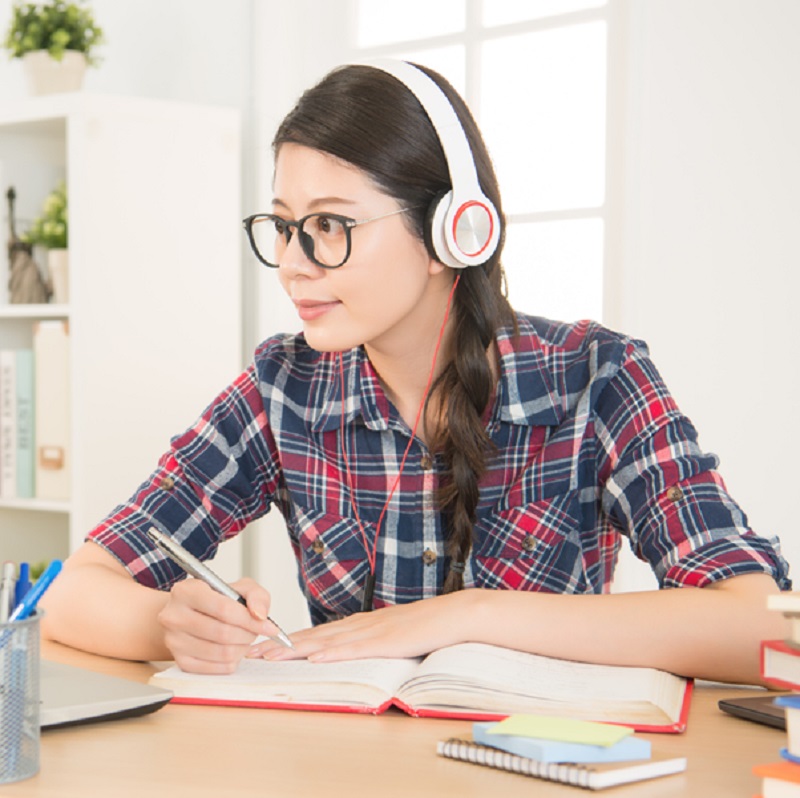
779, 779
780, 664
25, 420
52, 409
473, 681
17, 424
596, 776
8, 424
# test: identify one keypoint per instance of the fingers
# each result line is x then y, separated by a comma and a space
209, 633
258, 598
360, 635
403, 630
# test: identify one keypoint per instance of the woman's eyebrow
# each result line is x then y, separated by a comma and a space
320, 202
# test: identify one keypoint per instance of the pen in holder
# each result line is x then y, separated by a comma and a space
19, 699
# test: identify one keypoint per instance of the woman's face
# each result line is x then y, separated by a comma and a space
388, 293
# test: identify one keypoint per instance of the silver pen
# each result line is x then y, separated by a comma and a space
200, 570
7, 583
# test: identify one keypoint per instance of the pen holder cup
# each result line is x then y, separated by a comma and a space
19, 699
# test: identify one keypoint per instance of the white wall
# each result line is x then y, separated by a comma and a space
161, 48
706, 266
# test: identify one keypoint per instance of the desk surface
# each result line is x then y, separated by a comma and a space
228, 751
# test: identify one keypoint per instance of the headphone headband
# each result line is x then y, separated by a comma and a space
465, 226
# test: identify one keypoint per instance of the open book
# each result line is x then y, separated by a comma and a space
472, 681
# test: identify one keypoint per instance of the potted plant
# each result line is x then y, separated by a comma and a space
49, 231
56, 41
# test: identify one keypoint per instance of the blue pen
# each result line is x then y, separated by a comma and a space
31, 598
23, 583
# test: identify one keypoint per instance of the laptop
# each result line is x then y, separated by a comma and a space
71, 695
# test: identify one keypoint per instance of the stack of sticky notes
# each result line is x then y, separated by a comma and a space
548, 739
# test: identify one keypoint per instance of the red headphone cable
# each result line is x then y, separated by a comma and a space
372, 552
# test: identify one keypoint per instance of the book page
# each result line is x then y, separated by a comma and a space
367, 682
475, 675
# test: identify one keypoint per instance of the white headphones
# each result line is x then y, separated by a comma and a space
464, 225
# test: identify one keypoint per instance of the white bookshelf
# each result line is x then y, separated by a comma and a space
155, 306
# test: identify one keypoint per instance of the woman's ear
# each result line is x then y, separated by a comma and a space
436, 267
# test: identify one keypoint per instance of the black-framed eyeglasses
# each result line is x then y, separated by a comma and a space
324, 237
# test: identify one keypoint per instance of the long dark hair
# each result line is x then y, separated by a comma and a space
369, 119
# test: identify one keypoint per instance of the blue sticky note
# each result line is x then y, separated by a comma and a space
542, 750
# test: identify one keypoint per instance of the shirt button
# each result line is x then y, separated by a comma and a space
529, 543
318, 546
429, 556
674, 494
426, 463
167, 483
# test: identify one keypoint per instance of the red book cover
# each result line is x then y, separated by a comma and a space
452, 714
780, 664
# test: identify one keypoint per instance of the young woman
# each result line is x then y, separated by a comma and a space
458, 470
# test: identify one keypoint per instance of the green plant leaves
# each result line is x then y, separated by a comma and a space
56, 26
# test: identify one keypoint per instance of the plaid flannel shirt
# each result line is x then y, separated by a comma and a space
589, 447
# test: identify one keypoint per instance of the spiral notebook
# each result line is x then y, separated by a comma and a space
590, 776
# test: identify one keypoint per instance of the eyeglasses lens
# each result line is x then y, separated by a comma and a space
325, 239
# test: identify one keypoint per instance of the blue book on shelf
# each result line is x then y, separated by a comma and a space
25, 424
542, 750
8, 424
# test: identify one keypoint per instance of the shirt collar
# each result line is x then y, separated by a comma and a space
364, 395
525, 395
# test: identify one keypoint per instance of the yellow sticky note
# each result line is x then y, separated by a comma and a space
562, 729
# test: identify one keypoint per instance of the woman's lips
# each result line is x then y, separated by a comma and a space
309, 309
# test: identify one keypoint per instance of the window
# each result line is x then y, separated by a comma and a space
535, 74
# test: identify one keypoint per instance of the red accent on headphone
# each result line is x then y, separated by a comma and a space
459, 214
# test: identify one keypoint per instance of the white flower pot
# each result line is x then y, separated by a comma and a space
58, 267
47, 76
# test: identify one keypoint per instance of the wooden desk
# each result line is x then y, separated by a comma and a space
224, 752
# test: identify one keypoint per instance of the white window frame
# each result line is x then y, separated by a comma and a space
472, 39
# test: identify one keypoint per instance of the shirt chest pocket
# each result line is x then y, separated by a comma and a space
532, 547
332, 560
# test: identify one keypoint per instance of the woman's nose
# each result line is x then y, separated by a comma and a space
294, 260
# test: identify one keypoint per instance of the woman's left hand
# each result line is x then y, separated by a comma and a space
402, 630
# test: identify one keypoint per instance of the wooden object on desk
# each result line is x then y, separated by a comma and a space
213, 751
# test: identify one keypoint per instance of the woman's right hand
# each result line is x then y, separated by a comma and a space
207, 632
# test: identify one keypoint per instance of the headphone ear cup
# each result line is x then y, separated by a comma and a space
435, 238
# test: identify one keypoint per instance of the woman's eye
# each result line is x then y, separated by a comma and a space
329, 225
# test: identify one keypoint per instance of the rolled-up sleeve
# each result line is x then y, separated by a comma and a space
217, 477
665, 493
